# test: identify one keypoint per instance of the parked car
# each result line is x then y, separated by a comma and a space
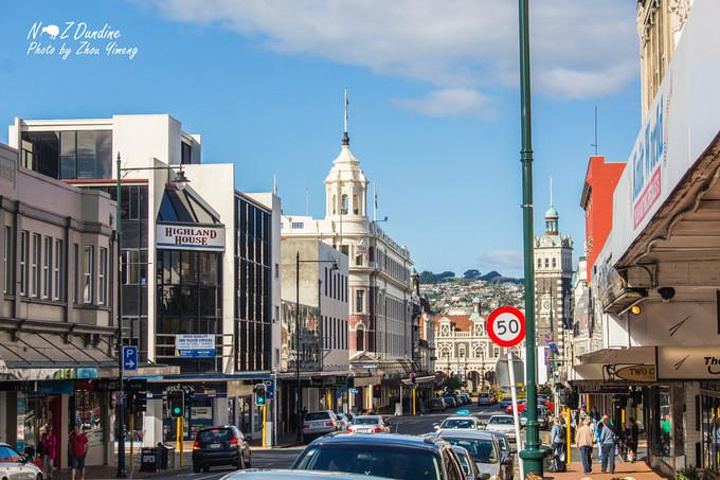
520, 407
344, 421
316, 424
484, 449
466, 398
504, 424
369, 424
13, 465
450, 401
217, 446
402, 457
506, 402
460, 422
468, 464
295, 475
485, 400
437, 404
508, 452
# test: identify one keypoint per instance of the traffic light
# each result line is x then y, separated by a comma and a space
413, 378
140, 402
260, 392
377, 391
176, 403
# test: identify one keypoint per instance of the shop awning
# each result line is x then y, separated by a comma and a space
634, 364
36, 355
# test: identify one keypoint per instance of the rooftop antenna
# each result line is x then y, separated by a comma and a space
346, 138
596, 140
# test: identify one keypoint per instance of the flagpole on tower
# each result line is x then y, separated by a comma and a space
346, 138
375, 202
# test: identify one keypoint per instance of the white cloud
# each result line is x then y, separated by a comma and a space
510, 260
580, 48
447, 102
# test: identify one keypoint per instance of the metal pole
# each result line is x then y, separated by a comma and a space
298, 396
531, 454
513, 397
120, 404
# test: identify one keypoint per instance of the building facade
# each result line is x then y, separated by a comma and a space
58, 332
379, 286
200, 261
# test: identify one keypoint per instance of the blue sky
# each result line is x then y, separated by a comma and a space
434, 109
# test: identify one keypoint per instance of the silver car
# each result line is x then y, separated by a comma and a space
369, 424
483, 448
504, 424
460, 422
317, 424
15, 466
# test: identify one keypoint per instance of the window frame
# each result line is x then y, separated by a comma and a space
34, 265
88, 268
47, 267
8, 262
102, 276
57, 269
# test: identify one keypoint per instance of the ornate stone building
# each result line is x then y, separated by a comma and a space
660, 24
553, 282
464, 349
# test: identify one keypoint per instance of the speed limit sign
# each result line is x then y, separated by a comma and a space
506, 326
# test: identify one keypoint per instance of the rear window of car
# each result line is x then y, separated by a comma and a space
215, 435
501, 421
454, 423
367, 421
317, 416
381, 461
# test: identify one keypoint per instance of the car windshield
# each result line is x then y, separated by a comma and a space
482, 451
503, 442
366, 421
464, 462
317, 416
216, 435
381, 461
457, 423
501, 421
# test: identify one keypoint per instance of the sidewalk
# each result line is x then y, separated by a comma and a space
638, 471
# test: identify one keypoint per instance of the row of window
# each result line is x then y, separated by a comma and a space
477, 352
82, 154
334, 333
548, 262
336, 285
43, 269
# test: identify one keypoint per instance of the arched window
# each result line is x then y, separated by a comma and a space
360, 339
461, 352
344, 206
356, 205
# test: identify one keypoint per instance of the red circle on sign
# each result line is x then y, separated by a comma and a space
515, 337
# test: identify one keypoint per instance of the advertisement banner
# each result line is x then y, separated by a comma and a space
688, 363
195, 346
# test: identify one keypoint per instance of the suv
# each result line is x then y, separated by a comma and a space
317, 424
402, 457
215, 446
437, 404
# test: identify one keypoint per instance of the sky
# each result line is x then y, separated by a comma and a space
434, 114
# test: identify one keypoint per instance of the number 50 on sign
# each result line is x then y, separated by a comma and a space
506, 326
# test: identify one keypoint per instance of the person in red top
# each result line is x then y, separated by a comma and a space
78, 449
48, 446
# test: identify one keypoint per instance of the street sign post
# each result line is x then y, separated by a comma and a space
130, 357
506, 328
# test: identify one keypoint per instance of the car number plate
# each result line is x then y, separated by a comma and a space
215, 446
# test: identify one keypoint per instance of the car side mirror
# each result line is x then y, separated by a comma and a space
436, 426
248, 438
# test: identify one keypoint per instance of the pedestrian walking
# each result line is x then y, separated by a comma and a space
598, 426
631, 438
585, 439
557, 440
77, 446
48, 451
608, 441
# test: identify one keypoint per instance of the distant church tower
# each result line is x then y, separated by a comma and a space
553, 281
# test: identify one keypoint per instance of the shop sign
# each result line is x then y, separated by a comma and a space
645, 161
202, 413
688, 363
195, 346
637, 373
189, 237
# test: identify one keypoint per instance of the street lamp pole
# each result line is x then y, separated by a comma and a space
532, 454
120, 404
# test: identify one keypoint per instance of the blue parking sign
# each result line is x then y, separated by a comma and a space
130, 358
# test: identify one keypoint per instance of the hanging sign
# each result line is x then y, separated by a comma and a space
189, 237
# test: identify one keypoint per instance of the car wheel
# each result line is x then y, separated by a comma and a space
196, 468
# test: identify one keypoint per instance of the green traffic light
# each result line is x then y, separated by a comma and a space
177, 410
261, 399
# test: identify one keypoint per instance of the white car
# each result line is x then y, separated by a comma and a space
463, 422
369, 424
14, 466
317, 424
504, 424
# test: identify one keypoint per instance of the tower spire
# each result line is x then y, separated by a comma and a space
346, 138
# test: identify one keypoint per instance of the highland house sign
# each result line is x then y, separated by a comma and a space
190, 237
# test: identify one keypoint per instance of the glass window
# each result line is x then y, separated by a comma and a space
40, 152
34, 268
57, 269
47, 265
76, 272
360, 339
102, 276
67, 155
185, 153
360, 301
88, 413
8, 262
88, 269
9, 455
344, 207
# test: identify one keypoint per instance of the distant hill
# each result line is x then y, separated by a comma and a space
427, 277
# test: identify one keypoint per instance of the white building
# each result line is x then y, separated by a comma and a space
379, 287
200, 281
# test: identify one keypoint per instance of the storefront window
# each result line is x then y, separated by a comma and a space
88, 414
710, 427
